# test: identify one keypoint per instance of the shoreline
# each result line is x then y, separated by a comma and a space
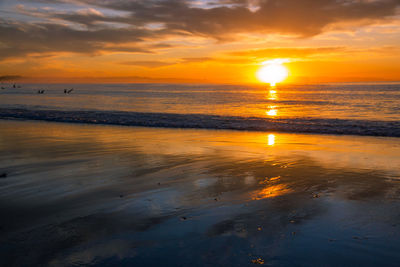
212, 122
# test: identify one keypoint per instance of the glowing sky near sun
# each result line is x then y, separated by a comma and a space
221, 41
273, 71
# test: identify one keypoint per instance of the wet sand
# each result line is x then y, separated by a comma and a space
130, 196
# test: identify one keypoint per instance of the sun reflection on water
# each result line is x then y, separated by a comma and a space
272, 111
272, 95
271, 139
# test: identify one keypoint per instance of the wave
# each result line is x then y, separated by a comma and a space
202, 121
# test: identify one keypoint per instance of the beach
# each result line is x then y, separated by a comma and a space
84, 194
199, 133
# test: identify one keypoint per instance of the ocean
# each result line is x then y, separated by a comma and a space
371, 109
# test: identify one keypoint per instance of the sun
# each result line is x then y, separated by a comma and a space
273, 72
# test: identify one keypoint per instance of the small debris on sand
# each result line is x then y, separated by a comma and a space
159, 184
3, 175
216, 199
258, 261
315, 196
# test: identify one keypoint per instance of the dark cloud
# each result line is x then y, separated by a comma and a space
21, 39
303, 18
130, 25
9, 77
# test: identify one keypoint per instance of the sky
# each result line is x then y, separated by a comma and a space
199, 41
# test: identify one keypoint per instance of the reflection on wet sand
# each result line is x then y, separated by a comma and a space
271, 191
100, 195
271, 139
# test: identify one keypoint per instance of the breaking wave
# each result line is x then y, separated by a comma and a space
201, 121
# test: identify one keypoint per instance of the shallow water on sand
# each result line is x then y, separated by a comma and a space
110, 195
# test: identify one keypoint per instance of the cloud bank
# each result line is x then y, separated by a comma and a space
92, 27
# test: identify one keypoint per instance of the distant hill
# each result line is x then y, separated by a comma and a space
10, 77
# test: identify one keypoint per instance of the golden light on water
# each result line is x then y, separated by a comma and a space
272, 95
271, 139
273, 71
271, 111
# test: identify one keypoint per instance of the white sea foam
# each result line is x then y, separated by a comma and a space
202, 121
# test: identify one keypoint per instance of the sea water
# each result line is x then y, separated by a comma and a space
337, 108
